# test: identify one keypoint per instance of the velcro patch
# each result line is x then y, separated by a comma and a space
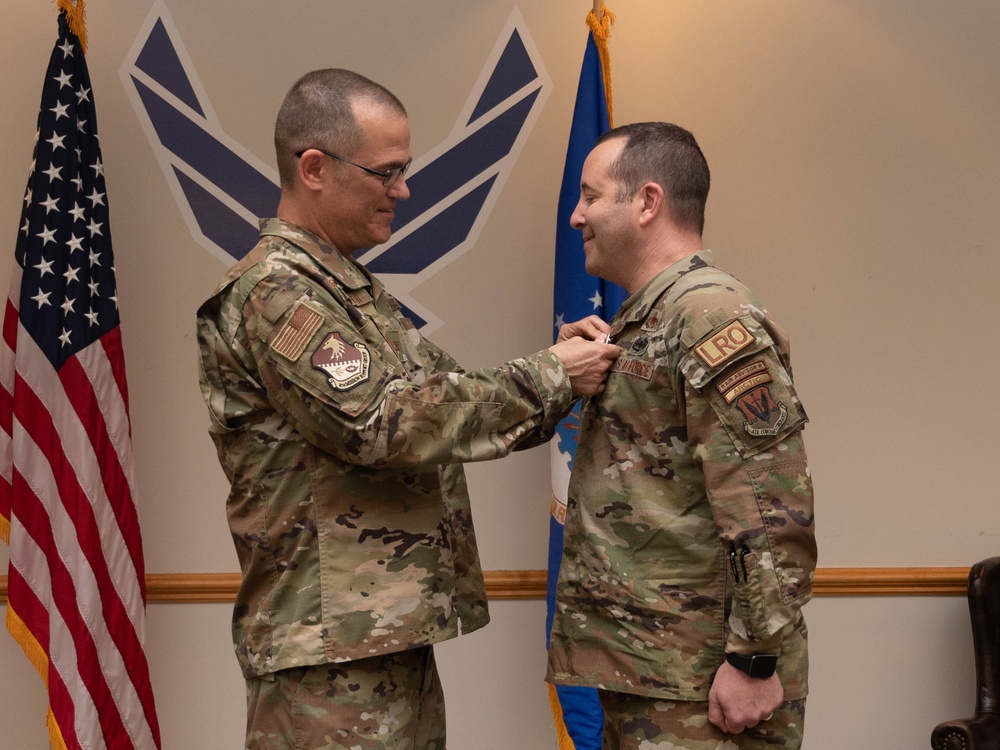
359, 297
639, 368
763, 416
345, 366
744, 379
725, 344
295, 334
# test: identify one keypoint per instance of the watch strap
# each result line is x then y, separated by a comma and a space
760, 666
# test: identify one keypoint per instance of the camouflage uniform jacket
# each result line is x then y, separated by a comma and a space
342, 431
689, 528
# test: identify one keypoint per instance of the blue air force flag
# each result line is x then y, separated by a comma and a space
577, 294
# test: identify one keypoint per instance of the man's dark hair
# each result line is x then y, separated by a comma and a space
318, 112
669, 156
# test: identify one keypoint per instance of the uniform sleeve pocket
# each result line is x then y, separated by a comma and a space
754, 400
334, 363
737, 368
749, 612
785, 498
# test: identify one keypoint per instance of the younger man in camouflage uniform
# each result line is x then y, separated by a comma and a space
689, 545
341, 430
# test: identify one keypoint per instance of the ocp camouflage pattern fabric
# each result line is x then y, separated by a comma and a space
689, 529
341, 430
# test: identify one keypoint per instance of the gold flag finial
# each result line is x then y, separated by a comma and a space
600, 20
76, 19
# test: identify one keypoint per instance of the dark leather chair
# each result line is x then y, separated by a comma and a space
982, 731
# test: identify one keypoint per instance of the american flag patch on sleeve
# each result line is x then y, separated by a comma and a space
291, 339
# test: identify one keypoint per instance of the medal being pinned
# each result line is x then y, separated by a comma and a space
345, 365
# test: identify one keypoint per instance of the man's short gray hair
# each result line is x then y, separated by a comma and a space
318, 112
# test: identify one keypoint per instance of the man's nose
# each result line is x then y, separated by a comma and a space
399, 189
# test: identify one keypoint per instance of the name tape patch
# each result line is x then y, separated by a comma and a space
638, 368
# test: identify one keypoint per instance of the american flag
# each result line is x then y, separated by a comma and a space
76, 586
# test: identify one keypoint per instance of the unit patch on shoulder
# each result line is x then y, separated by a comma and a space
345, 365
762, 415
295, 334
742, 380
724, 344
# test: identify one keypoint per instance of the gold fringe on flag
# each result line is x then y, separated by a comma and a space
55, 732
76, 18
40, 661
600, 29
32, 648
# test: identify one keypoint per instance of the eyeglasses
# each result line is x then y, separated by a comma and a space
388, 178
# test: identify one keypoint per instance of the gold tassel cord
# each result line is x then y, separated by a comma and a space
600, 29
76, 18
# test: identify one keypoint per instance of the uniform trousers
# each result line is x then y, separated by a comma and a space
390, 702
636, 722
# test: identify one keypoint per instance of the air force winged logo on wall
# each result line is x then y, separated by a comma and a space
222, 189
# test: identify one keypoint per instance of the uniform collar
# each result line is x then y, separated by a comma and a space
640, 302
348, 272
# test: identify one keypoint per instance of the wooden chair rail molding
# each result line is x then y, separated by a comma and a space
530, 584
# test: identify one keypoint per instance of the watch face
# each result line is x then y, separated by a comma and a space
763, 666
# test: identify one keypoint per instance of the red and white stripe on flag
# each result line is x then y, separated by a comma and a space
76, 578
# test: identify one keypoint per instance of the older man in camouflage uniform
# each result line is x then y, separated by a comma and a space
689, 546
341, 430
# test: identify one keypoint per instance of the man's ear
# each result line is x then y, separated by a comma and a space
652, 202
311, 165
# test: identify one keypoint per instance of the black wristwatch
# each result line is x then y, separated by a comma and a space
760, 666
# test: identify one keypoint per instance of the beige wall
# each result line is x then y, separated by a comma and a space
856, 174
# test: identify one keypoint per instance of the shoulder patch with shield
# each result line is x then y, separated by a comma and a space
345, 365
